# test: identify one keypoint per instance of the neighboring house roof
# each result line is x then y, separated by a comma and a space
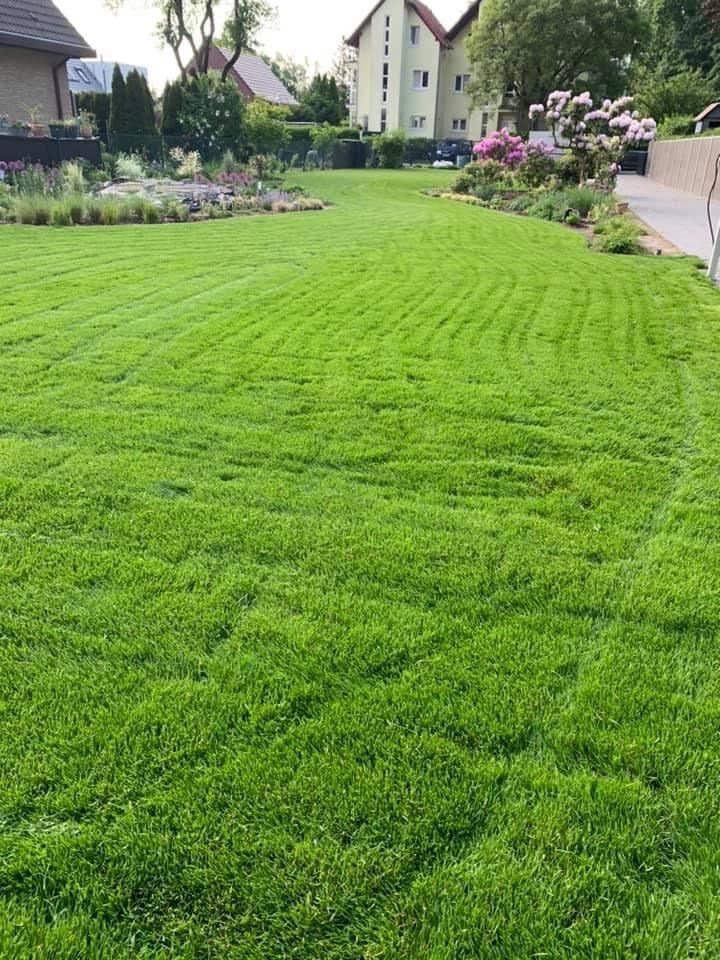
472, 13
95, 76
421, 9
259, 79
39, 25
706, 112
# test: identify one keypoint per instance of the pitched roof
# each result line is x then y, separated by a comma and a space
260, 79
472, 13
421, 9
39, 25
706, 112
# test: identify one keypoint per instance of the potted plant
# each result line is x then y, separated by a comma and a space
19, 129
72, 130
57, 129
4, 124
37, 128
85, 121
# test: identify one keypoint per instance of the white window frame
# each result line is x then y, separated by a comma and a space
415, 36
418, 122
459, 125
424, 75
464, 79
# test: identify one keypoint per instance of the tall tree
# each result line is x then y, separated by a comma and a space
537, 46
293, 75
118, 103
190, 28
139, 106
322, 102
172, 110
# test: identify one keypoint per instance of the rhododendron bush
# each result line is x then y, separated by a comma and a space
531, 161
598, 137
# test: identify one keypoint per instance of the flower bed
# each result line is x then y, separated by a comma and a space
41, 196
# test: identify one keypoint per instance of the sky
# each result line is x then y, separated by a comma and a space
302, 29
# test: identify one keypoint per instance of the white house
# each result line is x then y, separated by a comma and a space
413, 74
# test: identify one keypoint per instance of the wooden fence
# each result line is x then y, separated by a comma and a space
687, 165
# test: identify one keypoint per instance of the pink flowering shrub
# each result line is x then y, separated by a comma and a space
598, 137
502, 147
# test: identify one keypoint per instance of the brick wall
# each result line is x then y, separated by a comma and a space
26, 77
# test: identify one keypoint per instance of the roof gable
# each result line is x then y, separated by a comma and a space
706, 112
421, 9
39, 25
472, 13
259, 79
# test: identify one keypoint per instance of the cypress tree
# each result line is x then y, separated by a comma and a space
118, 103
150, 123
135, 104
172, 108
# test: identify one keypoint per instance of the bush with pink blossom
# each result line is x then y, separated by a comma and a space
503, 147
597, 136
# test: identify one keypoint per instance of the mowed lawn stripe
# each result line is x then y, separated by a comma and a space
357, 589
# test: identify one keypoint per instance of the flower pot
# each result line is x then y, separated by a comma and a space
622, 207
37, 129
72, 132
86, 133
57, 130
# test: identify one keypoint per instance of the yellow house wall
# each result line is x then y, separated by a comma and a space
426, 56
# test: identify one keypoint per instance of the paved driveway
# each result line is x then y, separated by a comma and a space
679, 217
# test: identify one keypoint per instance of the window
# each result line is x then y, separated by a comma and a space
414, 36
384, 96
510, 90
484, 125
387, 50
417, 123
383, 121
461, 82
387, 23
460, 125
421, 79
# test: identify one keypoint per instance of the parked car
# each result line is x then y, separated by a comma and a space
450, 150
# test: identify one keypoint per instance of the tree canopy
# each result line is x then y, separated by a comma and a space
537, 46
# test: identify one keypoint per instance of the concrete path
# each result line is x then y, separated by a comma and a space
679, 217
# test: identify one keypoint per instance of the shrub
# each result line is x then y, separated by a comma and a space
212, 112
476, 174
485, 191
188, 164
617, 235
582, 199
521, 204
676, 126
390, 147
60, 216
573, 218
176, 211
552, 205
129, 167
503, 147
538, 165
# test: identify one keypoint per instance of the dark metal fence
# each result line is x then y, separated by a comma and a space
49, 151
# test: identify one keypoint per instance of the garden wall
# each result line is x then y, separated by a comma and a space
687, 165
48, 151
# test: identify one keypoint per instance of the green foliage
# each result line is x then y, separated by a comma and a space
33, 209
661, 94
390, 148
536, 169
110, 213
119, 120
265, 129
322, 102
172, 106
212, 112
581, 199
72, 177
676, 126
617, 235
60, 215
324, 139
246, 18
292, 74
139, 106
541, 45
129, 167
477, 174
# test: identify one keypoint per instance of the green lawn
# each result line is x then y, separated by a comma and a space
358, 590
